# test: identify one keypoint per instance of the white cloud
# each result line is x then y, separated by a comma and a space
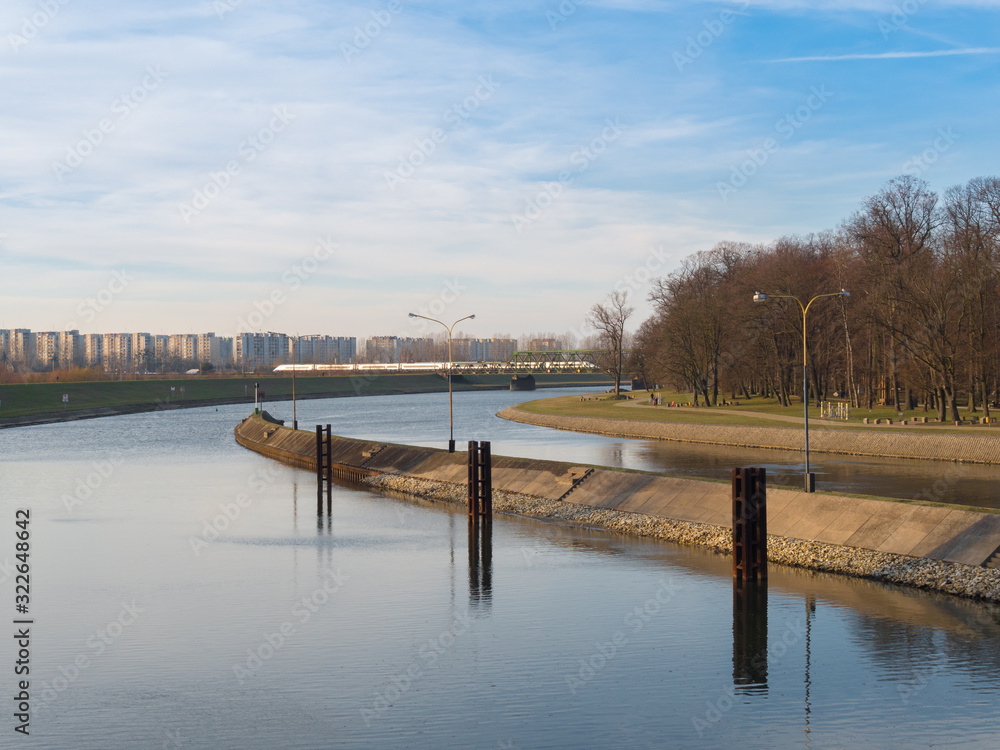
890, 55
324, 175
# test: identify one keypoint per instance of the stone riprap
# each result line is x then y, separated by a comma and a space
860, 536
887, 443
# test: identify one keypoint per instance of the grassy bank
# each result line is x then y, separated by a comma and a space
28, 400
757, 412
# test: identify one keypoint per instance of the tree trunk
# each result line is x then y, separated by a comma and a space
869, 380
818, 392
952, 404
715, 380
851, 395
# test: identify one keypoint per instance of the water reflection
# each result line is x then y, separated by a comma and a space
750, 636
893, 667
323, 520
480, 566
810, 611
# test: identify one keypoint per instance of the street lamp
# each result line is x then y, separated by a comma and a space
295, 421
810, 479
451, 413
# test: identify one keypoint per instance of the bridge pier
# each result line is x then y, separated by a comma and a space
522, 382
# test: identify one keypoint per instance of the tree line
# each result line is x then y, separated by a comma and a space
921, 326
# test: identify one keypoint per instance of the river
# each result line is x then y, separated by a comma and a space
184, 593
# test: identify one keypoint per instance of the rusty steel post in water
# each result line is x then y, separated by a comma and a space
750, 524
319, 469
486, 481
480, 480
473, 477
328, 458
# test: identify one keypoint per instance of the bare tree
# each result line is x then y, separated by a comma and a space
924, 317
894, 237
609, 319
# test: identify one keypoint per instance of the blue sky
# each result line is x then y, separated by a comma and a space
327, 167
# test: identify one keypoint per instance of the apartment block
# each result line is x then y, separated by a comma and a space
93, 349
46, 347
69, 348
117, 351
261, 349
19, 345
483, 350
397, 349
316, 349
544, 345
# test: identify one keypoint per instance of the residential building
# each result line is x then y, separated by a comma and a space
483, 350
396, 349
69, 348
117, 352
46, 347
226, 352
93, 349
544, 345
317, 349
20, 345
261, 350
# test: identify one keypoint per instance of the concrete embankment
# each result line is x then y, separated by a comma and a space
932, 547
875, 441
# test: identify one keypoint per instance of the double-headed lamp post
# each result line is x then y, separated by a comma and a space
810, 480
451, 412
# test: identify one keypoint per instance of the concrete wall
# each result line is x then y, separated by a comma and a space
939, 533
889, 442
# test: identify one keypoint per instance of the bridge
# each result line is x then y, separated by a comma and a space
520, 363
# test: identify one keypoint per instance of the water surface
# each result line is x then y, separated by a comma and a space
214, 608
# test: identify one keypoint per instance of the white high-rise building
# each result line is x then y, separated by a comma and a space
254, 350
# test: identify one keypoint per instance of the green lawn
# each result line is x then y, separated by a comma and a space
572, 406
608, 407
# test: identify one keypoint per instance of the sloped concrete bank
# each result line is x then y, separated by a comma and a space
878, 442
929, 547
970, 581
